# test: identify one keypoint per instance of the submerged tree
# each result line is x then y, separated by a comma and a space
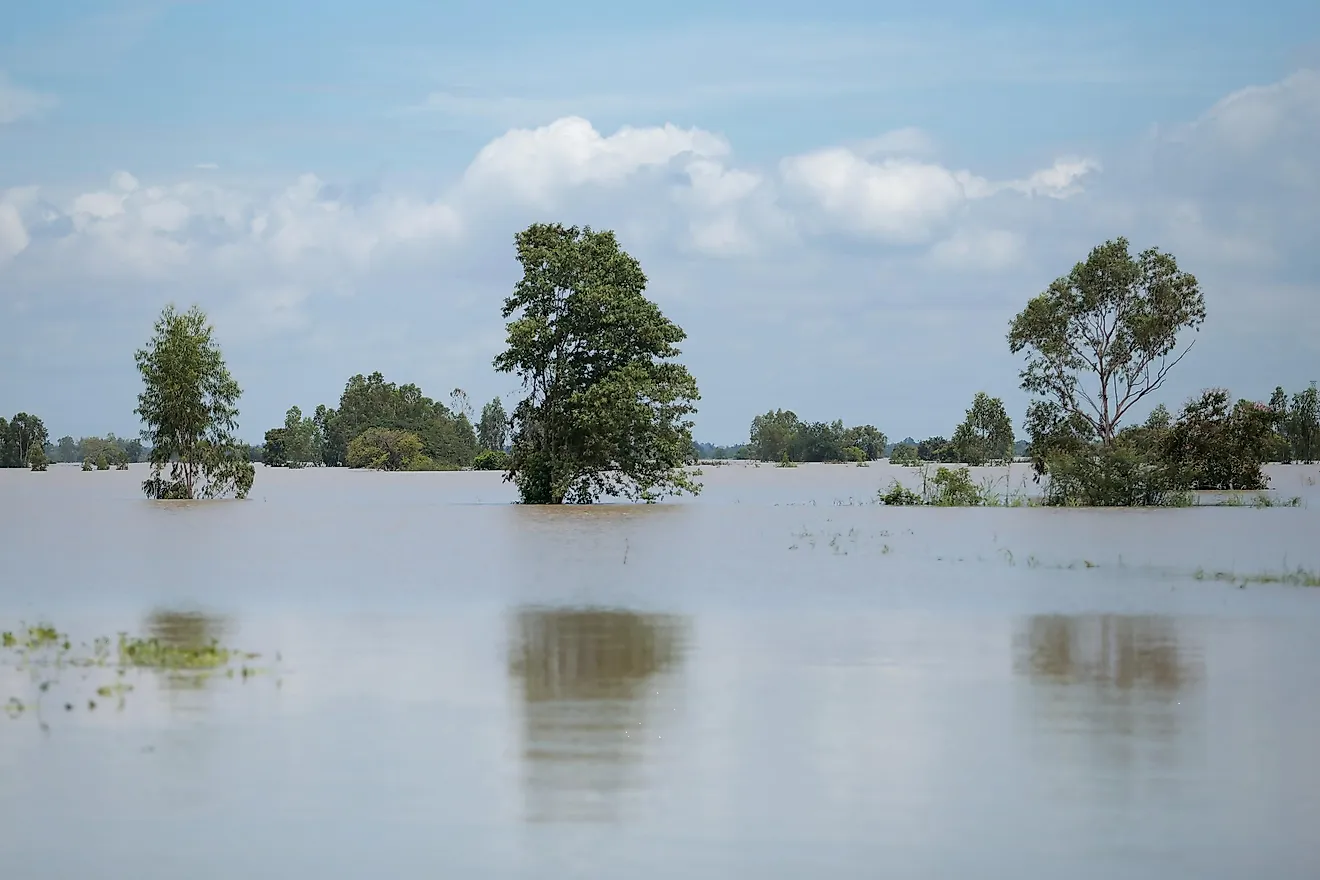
1104, 336
189, 408
493, 429
607, 407
986, 435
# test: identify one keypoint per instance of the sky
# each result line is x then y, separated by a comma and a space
842, 204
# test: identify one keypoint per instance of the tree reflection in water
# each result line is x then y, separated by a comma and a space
185, 629
1121, 682
591, 682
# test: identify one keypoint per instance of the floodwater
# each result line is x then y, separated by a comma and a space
778, 679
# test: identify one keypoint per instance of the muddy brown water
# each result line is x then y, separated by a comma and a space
778, 679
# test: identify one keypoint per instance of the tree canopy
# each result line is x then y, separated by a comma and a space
189, 405
607, 406
447, 439
1104, 336
780, 435
18, 436
986, 435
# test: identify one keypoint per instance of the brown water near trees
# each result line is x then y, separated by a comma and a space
777, 679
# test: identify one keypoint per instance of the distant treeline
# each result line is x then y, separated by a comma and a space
382, 425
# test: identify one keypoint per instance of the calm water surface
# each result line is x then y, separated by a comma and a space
775, 680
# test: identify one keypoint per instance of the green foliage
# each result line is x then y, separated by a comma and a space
302, 440
1218, 445
370, 402
273, 450
937, 449
986, 435
855, 453
952, 487
17, 438
711, 452
904, 454
1301, 425
384, 449
36, 459
1055, 432
1115, 475
87, 464
773, 435
607, 408
189, 406
898, 495
1103, 337
491, 460
493, 429
780, 433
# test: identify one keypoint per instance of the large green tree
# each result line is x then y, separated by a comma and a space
773, 435
493, 429
189, 405
1105, 335
18, 436
607, 406
986, 435
371, 402
1301, 425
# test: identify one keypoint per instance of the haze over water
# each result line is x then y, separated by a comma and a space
777, 679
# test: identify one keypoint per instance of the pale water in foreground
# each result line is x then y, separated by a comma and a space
778, 679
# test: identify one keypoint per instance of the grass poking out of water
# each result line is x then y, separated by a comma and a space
1300, 577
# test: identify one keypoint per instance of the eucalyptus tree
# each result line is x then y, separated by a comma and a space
189, 407
1105, 336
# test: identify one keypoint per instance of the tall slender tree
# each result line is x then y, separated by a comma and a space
189, 405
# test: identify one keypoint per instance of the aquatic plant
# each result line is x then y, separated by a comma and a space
44, 652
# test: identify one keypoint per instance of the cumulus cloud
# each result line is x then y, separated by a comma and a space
18, 103
904, 201
534, 164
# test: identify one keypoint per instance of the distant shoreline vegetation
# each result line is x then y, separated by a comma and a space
608, 407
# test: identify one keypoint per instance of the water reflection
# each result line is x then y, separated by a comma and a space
187, 630
1106, 652
1115, 699
595, 684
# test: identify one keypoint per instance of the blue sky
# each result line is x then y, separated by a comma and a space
843, 204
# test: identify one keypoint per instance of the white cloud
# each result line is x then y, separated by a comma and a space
18, 103
534, 164
898, 201
13, 235
1059, 181
904, 201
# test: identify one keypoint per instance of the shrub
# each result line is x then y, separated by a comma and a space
898, 495
491, 460
904, 454
1109, 476
953, 487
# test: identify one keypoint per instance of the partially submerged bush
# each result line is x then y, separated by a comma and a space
491, 460
1108, 476
383, 449
953, 487
899, 495
905, 454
